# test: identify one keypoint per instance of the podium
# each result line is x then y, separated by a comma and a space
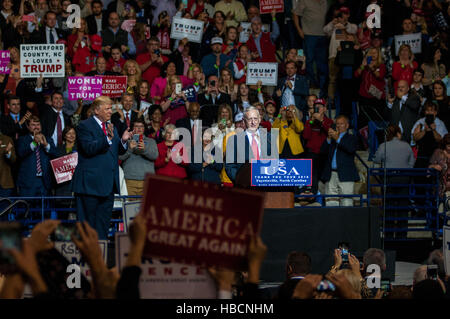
276, 197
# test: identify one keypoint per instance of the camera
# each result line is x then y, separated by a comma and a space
429, 119
213, 83
432, 272
326, 285
65, 231
10, 237
344, 252
316, 109
157, 52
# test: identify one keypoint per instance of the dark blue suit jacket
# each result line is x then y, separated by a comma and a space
301, 90
233, 167
345, 158
27, 170
97, 172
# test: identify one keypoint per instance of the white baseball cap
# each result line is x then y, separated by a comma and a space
216, 40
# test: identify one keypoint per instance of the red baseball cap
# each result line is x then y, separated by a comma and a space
344, 10
320, 101
96, 42
270, 102
419, 12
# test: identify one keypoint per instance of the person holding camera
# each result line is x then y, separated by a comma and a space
290, 125
427, 132
138, 159
152, 61
315, 133
210, 100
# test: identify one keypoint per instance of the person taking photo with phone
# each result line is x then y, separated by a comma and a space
139, 159
427, 133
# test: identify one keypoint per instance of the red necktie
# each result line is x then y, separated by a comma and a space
128, 120
59, 128
38, 161
104, 128
255, 149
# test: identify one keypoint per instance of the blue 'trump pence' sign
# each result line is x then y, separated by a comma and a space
282, 172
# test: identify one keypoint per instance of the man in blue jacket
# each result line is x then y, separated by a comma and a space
34, 151
340, 173
214, 62
96, 177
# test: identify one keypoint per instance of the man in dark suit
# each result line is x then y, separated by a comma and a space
404, 109
96, 177
340, 173
124, 119
53, 119
100, 68
48, 34
253, 143
13, 124
34, 151
292, 88
97, 18
191, 122
7, 160
211, 100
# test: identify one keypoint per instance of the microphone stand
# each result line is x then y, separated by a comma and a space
385, 169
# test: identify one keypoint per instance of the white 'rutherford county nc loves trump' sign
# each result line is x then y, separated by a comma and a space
267, 73
45, 59
187, 28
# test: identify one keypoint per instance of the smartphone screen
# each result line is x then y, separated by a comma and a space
10, 237
178, 88
300, 52
64, 232
136, 138
432, 272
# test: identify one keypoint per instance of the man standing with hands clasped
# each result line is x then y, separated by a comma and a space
340, 173
96, 177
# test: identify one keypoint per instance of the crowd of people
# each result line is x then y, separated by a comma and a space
173, 83
328, 58
347, 278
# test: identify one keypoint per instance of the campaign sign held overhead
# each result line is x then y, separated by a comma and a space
282, 172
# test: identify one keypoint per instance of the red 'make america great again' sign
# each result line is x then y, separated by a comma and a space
198, 223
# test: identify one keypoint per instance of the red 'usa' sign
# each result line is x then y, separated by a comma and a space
266, 6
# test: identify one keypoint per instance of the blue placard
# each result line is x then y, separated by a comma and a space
282, 172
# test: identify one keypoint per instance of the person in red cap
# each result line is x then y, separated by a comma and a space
84, 48
271, 110
314, 134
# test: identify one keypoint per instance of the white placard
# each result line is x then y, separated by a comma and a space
446, 248
45, 59
162, 279
187, 28
70, 251
130, 210
267, 73
246, 29
414, 40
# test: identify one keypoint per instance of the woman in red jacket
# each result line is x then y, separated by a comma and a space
403, 69
372, 89
168, 152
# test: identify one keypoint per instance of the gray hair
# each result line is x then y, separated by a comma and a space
168, 126
250, 108
375, 256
